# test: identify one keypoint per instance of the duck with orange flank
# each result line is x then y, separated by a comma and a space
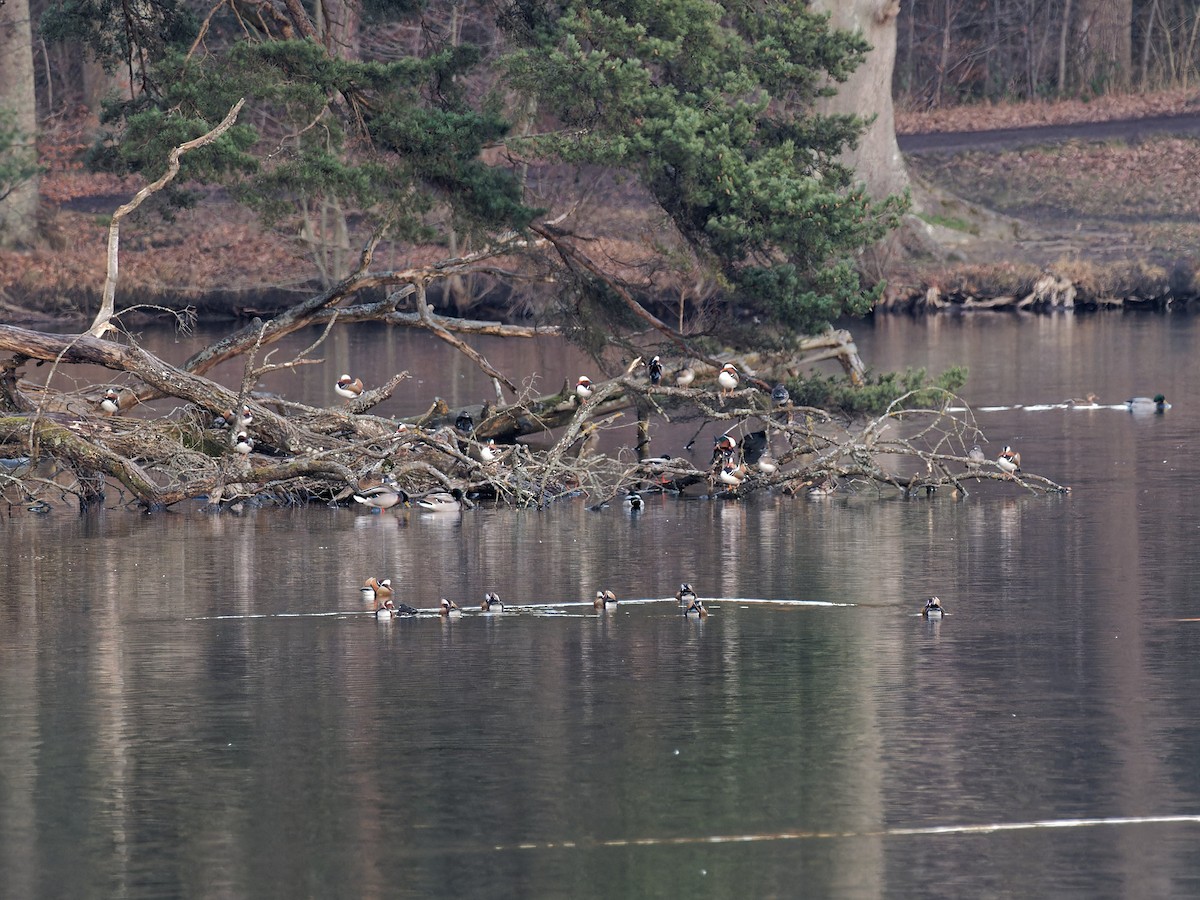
350, 388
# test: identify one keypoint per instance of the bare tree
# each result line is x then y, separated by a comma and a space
1103, 32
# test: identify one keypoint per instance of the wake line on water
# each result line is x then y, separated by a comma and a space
536, 608
1041, 407
918, 831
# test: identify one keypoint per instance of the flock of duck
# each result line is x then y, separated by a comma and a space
380, 593
731, 465
386, 608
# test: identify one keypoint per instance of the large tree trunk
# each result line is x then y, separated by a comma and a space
18, 211
1103, 32
338, 22
868, 92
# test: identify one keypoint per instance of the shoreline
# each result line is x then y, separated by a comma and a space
1059, 216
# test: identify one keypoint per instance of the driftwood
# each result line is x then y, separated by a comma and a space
55, 443
63, 445
1047, 292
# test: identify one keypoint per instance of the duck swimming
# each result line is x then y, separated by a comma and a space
492, 603
385, 608
933, 609
697, 607
685, 595
449, 608
1156, 404
443, 501
382, 496
604, 598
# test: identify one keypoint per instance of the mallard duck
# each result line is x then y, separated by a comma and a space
111, 403
448, 608
685, 376
604, 598
727, 378
442, 501
243, 443
382, 496
685, 594
655, 370
1009, 461
933, 608
583, 388
697, 607
350, 388
492, 603
1156, 404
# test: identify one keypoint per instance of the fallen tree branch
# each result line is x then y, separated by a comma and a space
103, 320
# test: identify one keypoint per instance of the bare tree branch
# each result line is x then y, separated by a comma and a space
101, 324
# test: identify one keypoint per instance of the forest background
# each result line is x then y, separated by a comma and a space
958, 66
713, 182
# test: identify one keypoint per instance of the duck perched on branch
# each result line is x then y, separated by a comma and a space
350, 388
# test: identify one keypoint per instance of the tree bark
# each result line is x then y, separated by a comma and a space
868, 92
1103, 32
18, 211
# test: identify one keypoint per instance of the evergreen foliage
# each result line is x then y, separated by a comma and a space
839, 393
708, 105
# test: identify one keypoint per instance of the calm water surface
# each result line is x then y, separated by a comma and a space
197, 705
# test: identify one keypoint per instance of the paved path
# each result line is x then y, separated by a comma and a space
1040, 135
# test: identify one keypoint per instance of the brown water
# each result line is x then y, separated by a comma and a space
198, 705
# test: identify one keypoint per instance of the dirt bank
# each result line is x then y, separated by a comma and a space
1093, 196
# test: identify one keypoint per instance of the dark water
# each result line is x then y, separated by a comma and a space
198, 706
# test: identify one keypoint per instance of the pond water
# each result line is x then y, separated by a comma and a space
200, 705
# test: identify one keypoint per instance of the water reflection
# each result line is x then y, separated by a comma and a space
201, 704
